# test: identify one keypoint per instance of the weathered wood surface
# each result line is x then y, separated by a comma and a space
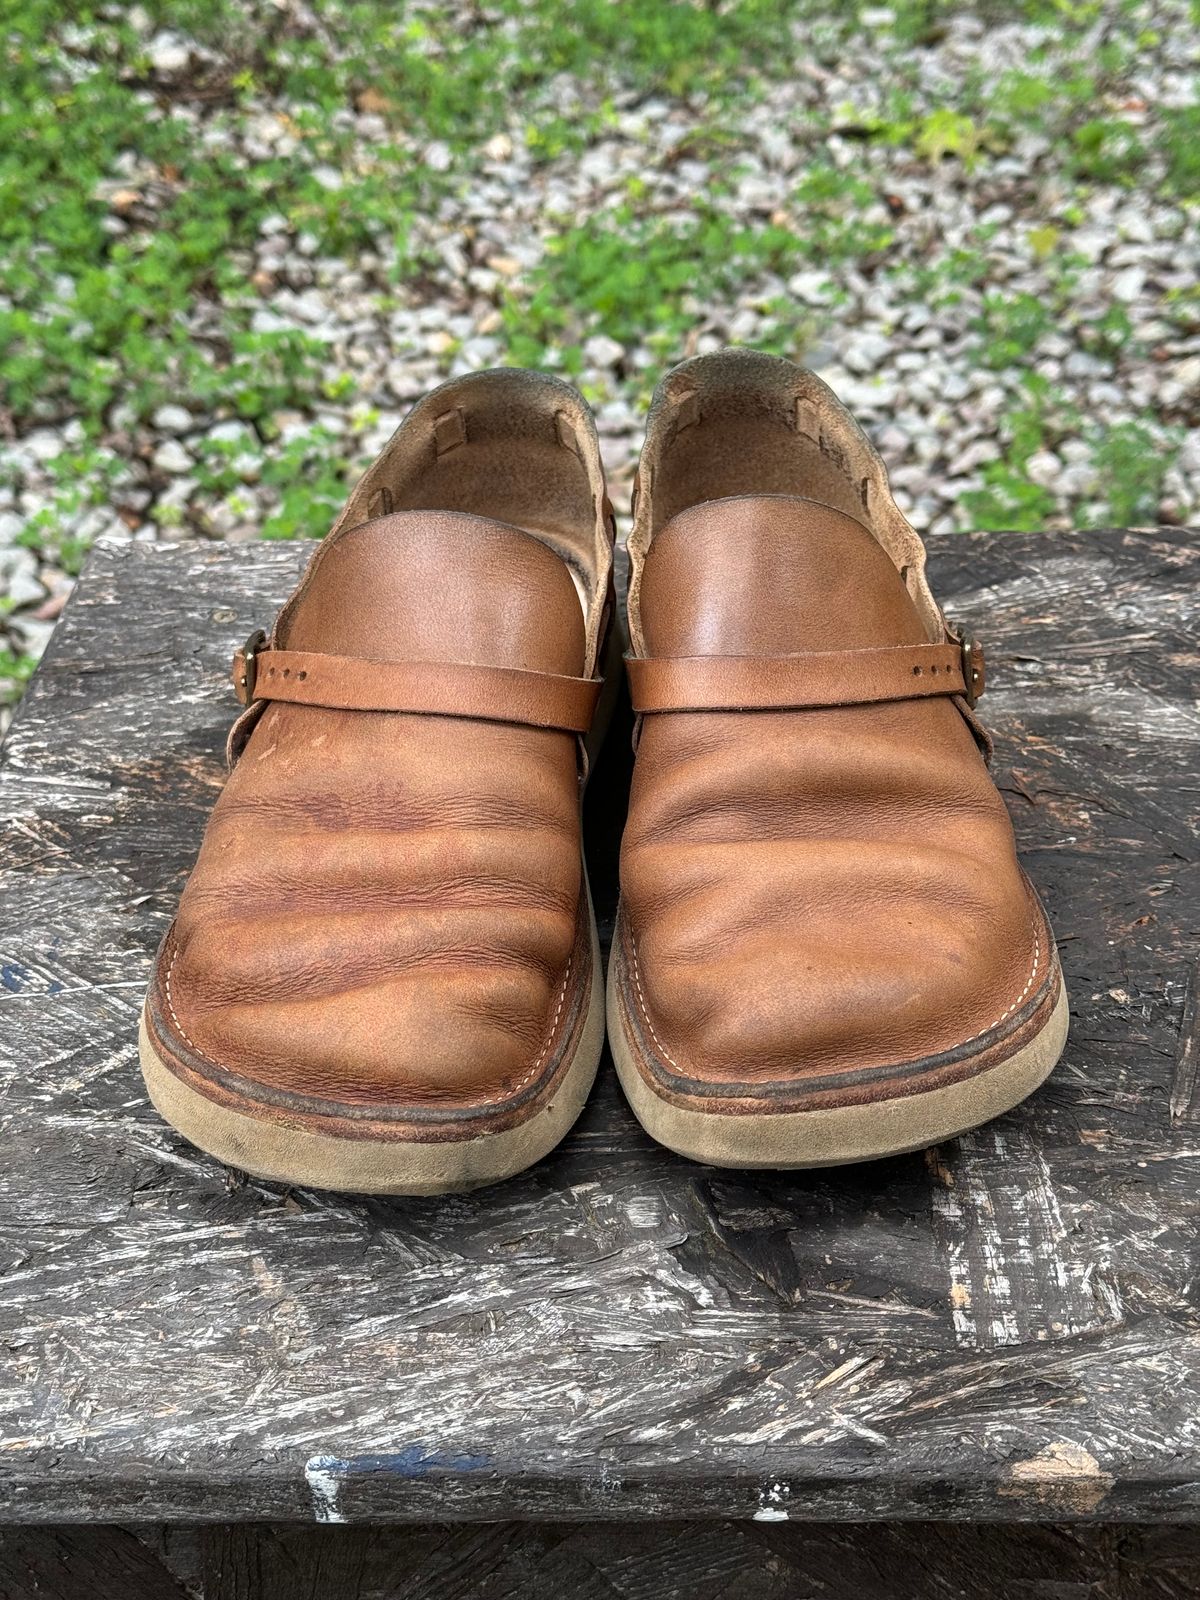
1008, 1329
603, 1561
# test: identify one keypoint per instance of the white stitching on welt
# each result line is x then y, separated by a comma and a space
541, 1055
203, 1054
637, 980
1037, 957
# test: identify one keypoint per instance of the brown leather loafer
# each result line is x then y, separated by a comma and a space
384, 975
827, 950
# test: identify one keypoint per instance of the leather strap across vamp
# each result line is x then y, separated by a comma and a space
827, 950
384, 975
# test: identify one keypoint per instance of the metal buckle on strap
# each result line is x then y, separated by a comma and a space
245, 666
973, 670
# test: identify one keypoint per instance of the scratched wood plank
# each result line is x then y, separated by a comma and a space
630, 1561
1006, 1330
67, 1564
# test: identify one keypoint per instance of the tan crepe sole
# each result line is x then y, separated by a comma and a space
838, 1135
368, 1166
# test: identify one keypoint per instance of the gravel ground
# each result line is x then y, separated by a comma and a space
984, 234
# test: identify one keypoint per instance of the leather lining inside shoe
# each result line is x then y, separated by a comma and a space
721, 457
513, 446
534, 483
738, 422
538, 485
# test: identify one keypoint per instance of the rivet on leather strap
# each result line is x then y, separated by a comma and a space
429, 688
808, 680
973, 669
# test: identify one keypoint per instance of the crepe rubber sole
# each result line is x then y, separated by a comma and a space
406, 1165
834, 1135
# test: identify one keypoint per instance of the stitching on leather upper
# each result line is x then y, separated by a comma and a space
191, 1044
520, 1084
541, 1055
670, 1059
1037, 957
637, 979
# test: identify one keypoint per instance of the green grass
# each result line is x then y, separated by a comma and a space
1009, 498
1133, 460
638, 279
15, 672
1010, 326
125, 204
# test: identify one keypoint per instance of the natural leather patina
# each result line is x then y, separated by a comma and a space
822, 906
384, 958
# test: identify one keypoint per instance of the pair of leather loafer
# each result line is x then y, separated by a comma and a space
384, 974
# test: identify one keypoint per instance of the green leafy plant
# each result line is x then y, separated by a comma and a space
1109, 334
636, 278
1180, 142
1010, 327
15, 672
1132, 460
842, 218
1009, 497
948, 133
309, 474
1107, 150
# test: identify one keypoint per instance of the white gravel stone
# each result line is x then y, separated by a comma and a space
602, 351
1044, 468
29, 634
1128, 285
972, 457
172, 457
231, 432
168, 52
19, 581
1136, 225
44, 445
811, 287
892, 441
866, 352
1082, 364
173, 419
1077, 481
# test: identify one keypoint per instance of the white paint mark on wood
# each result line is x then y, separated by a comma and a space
771, 1506
323, 1475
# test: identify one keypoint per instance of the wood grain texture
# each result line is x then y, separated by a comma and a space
599, 1561
1005, 1329
89, 1564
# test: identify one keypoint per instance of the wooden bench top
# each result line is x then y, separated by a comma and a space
1005, 1329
